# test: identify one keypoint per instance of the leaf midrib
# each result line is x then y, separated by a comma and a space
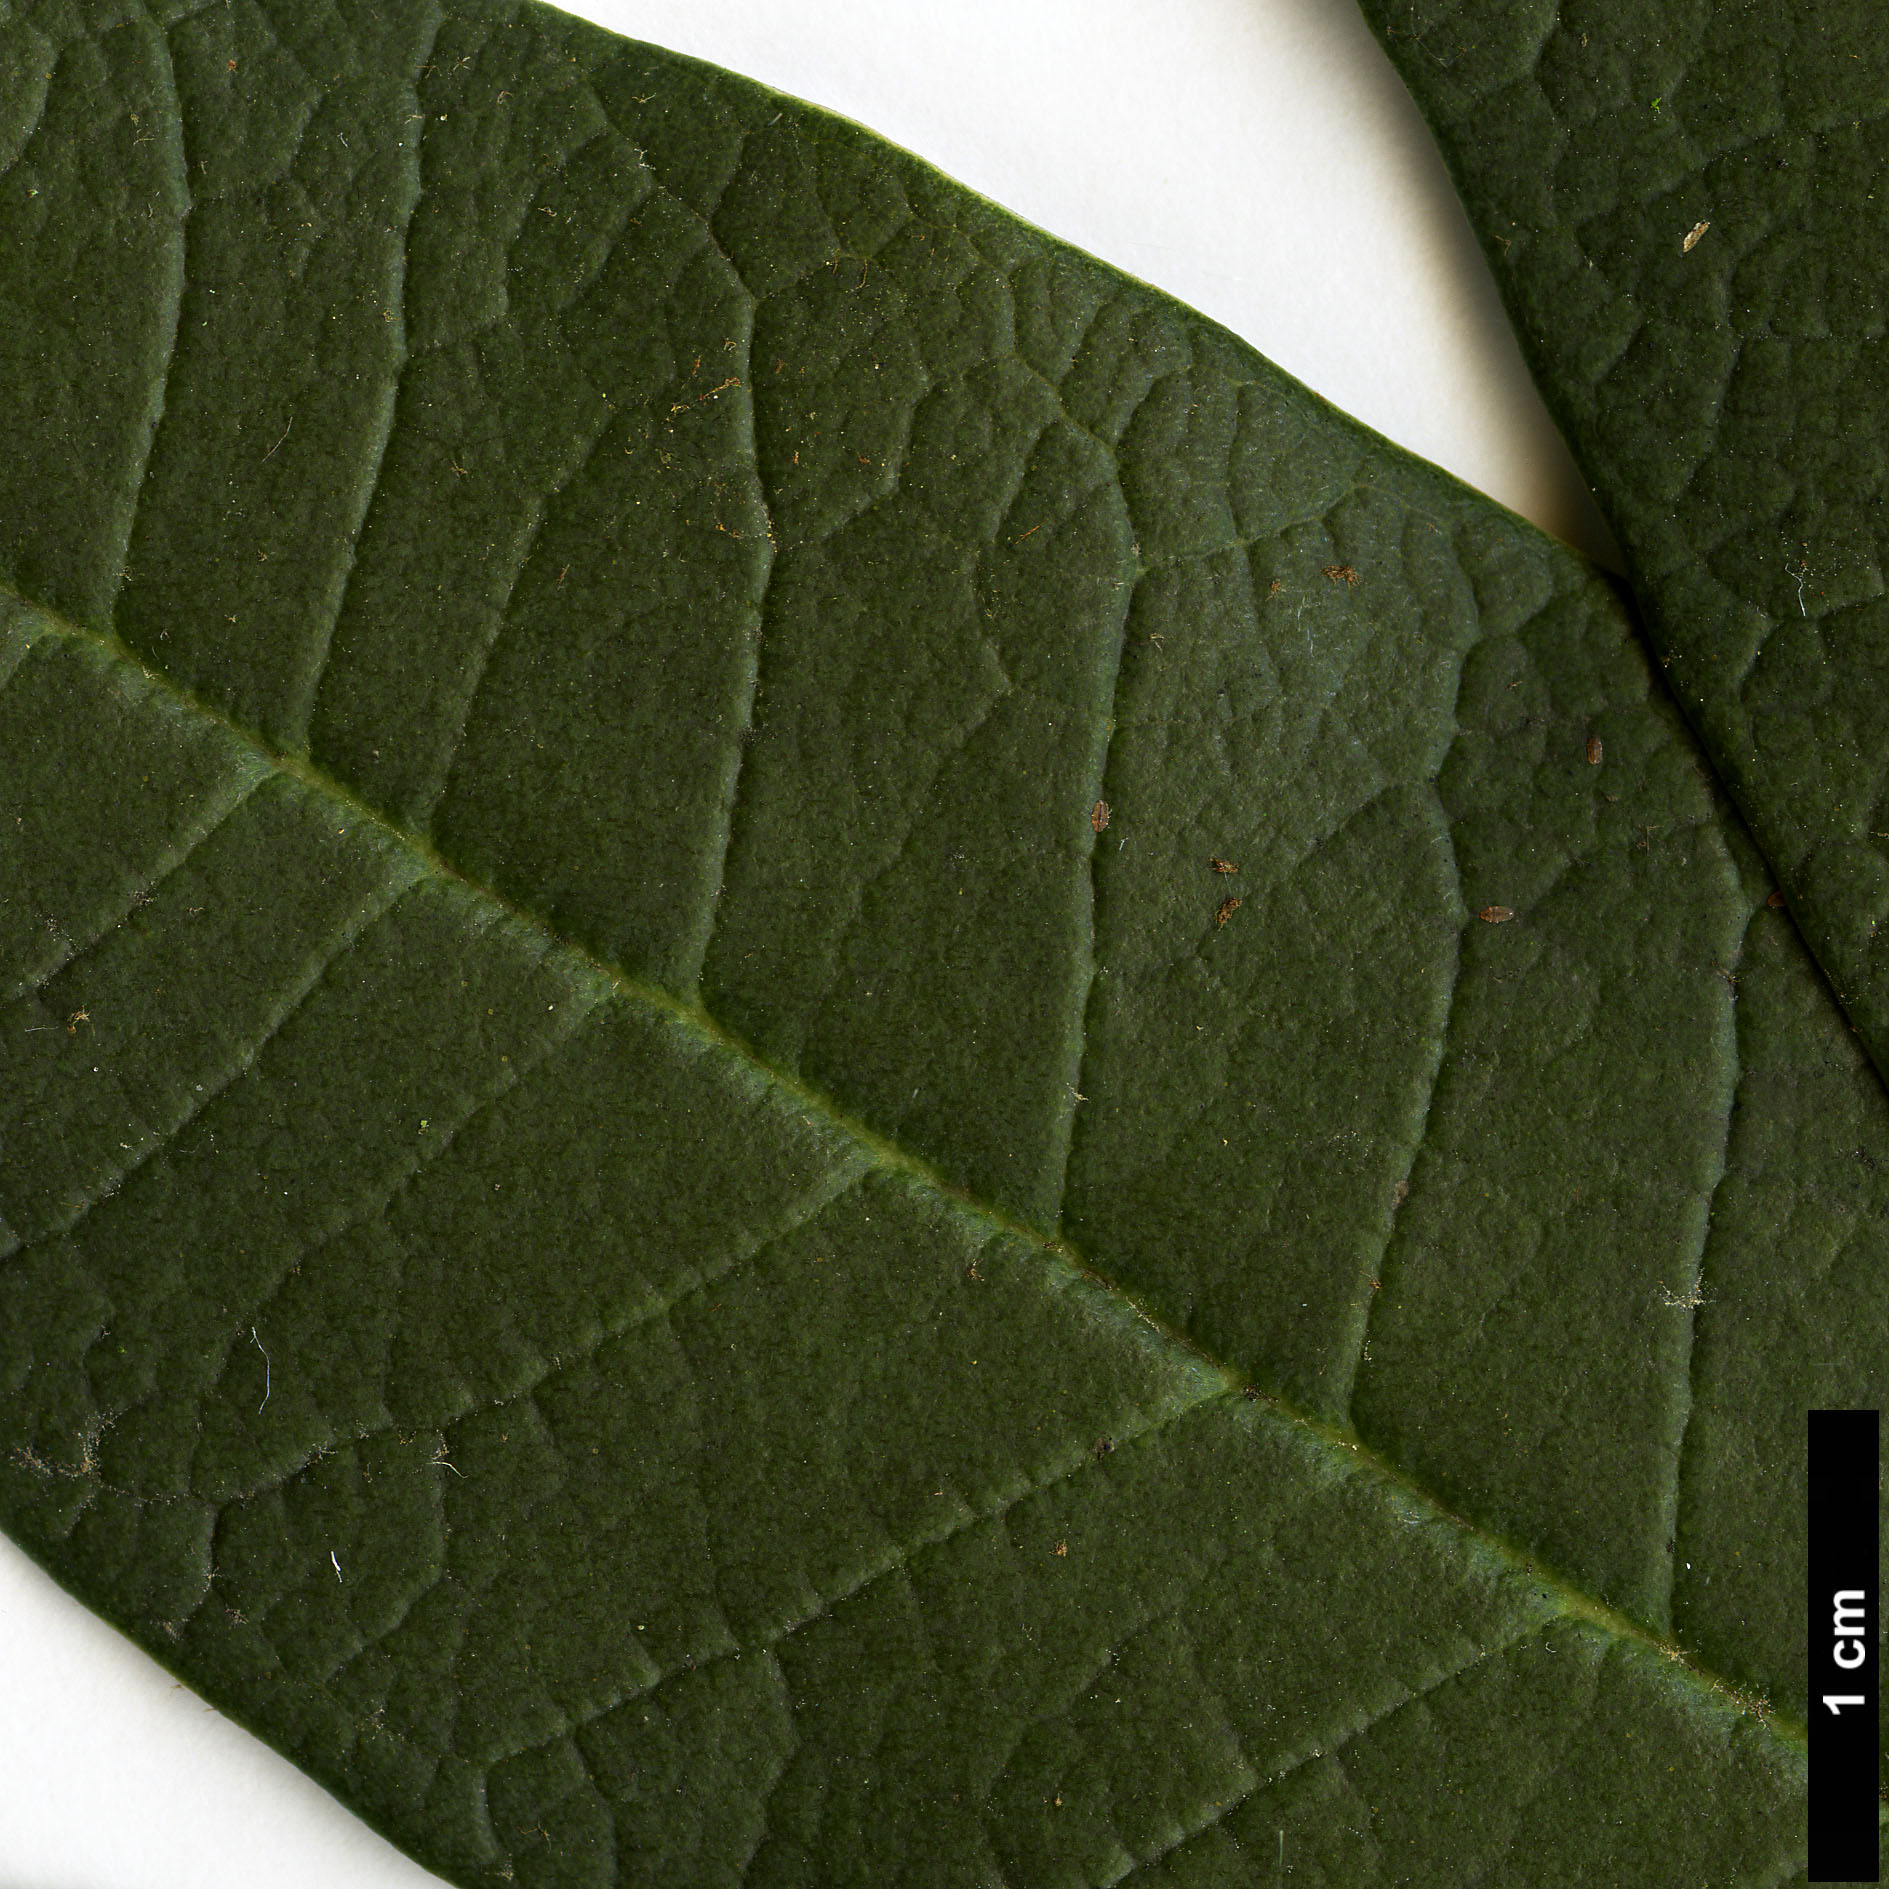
1334, 1440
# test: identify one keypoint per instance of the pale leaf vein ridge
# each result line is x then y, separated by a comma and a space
277, 1020
895, 1562
300, 711
1691, 1296
1507, 1644
174, 120
170, 862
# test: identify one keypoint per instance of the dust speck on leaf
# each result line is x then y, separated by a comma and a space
1341, 573
1689, 1300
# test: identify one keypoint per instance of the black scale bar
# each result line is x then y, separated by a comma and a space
1845, 1630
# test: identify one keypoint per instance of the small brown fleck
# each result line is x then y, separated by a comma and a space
1399, 1194
1251, 1393
1594, 750
1341, 573
76, 1018
1098, 815
1275, 587
1692, 237
1223, 865
1103, 1445
1062, 1547
1226, 910
1495, 914
1776, 901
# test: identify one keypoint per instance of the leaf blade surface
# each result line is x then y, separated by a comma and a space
475, 1251
1678, 212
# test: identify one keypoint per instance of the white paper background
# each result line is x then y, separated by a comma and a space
1257, 158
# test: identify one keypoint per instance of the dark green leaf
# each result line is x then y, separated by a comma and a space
658, 1209
1683, 206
